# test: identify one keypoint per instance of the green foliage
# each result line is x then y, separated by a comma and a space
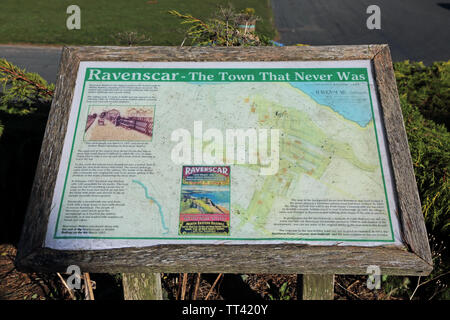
427, 88
21, 90
282, 294
396, 286
221, 30
436, 285
430, 151
25, 100
424, 96
249, 12
102, 18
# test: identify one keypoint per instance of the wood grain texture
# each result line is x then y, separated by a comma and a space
39, 204
142, 286
225, 54
226, 258
412, 224
231, 259
318, 287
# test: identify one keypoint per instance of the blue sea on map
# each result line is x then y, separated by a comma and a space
353, 105
350, 100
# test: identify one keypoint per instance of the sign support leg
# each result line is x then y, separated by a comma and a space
142, 286
316, 286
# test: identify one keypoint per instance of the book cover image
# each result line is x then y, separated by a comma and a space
205, 200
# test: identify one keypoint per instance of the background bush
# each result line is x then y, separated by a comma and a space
427, 88
424, 96
25, 100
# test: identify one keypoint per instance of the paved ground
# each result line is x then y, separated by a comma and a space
414, 29
42, 60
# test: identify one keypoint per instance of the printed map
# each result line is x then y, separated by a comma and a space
328, 181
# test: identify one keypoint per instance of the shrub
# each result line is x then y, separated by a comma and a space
22, 90
422, 96
221, 30
25, 100
429, 144
427, 88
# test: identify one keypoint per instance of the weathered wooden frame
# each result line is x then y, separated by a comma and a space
412, 259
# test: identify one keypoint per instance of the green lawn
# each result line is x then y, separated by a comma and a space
27, 21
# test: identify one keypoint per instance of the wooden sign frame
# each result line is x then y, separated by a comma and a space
414, 258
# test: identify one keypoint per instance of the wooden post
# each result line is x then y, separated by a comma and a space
317, 286
142, 286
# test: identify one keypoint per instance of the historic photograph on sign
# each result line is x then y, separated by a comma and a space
119, 123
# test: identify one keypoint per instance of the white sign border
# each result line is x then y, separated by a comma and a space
97, 244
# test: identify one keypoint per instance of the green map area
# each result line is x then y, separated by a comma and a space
306, 149
329, 183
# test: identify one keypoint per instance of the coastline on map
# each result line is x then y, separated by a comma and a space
119, 123
350, 100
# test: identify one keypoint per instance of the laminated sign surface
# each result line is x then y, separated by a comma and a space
224, 153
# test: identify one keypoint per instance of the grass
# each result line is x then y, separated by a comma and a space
44, 22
